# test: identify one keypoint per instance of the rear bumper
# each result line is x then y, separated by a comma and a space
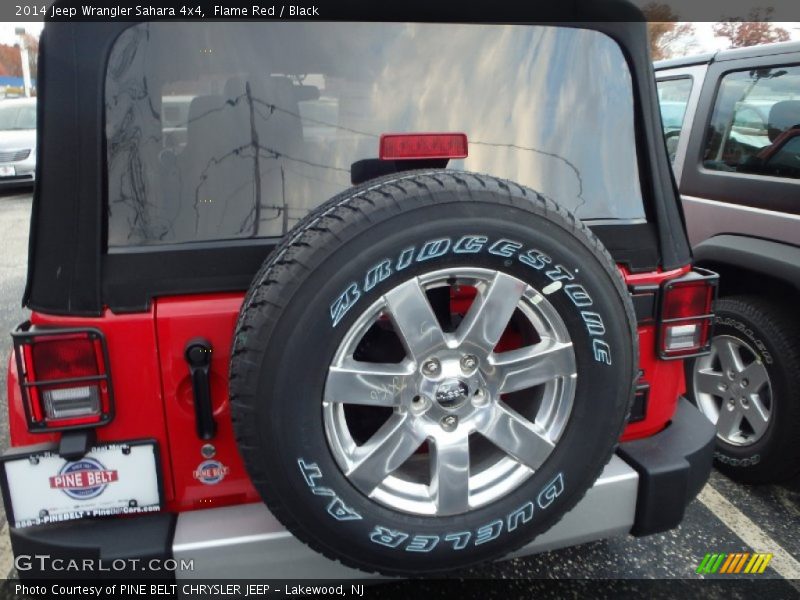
25, 173
644, 489
17, 181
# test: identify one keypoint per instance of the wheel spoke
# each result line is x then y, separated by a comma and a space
450, 475
369, 384
415, 320
533, 365
756, 375
729, 421
388, 448
729, 355
709, 382
517, 436
490, 313
757, 415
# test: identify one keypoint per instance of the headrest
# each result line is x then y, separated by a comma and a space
202, 107
782, 116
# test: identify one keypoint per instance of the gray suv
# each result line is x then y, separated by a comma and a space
732, 128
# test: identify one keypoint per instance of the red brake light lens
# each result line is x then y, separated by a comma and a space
423, 146
687, 300
64, 357
685, 318
64, 378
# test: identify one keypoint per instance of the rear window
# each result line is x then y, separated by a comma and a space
15, 117
235, 130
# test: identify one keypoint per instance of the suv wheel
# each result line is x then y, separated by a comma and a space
747, 386
431, 371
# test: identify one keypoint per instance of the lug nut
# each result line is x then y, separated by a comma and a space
431, 367
468, 363
449, 423
745, 383
419, 404
480, 398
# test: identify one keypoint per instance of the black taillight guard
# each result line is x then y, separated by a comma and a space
24, 338
696, 275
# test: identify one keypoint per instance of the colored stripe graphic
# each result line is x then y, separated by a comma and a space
758, 564
727, 566
741, 562
724, 563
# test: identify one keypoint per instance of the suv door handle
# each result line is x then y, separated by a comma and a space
198, 355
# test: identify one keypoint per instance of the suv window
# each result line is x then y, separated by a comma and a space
235, 130
673, 96
756, 122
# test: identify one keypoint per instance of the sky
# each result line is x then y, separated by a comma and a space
7, 35
706, 41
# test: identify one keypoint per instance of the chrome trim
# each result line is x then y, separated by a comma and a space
247, 541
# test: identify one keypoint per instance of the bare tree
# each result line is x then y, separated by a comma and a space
756, 30
668, 37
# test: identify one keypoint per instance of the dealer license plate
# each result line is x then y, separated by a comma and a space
111, 479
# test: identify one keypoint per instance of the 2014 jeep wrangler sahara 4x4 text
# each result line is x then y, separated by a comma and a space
279, 315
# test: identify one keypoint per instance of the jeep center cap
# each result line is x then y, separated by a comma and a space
452, 393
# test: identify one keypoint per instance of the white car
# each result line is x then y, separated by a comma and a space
17, 141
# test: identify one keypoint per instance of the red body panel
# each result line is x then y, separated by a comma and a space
178, 320
135, 375
666, 377
154, 396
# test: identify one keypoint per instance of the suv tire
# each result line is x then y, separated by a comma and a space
373, 276
759, 444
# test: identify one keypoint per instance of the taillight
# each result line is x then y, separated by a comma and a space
685, 317
420, 146
64, 377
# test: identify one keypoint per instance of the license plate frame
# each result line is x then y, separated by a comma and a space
88, 479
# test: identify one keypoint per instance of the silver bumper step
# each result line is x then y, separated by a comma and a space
240, 542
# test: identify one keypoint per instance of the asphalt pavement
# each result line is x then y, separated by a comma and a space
726, 517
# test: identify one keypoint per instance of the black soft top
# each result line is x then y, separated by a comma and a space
70, 271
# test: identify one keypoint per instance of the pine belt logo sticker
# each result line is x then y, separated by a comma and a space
210, 472
737, 562
83, 479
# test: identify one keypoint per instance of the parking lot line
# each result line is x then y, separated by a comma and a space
751, 534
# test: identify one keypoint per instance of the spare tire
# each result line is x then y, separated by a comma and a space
430, 371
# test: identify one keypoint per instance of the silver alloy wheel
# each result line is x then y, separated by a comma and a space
732, 388
450, 390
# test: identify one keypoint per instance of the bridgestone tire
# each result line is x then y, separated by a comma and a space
770, 332
322, 280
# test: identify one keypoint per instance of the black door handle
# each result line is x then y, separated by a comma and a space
198, 355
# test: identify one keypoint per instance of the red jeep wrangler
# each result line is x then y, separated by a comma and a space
276, 300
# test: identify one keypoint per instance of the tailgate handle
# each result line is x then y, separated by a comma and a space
198, 355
